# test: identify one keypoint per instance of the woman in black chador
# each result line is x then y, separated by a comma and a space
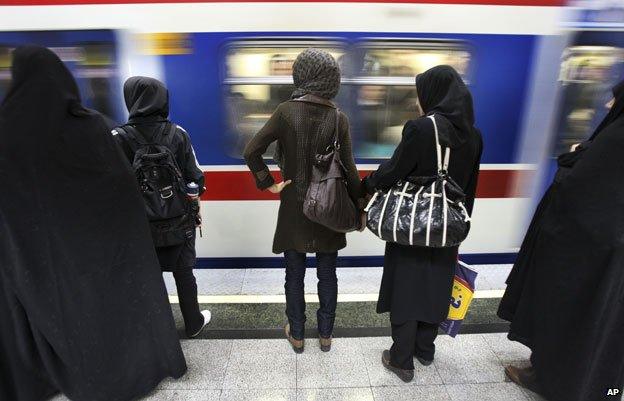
564, 295
416, 283
83, 305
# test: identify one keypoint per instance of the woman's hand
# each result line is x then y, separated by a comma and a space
277, 188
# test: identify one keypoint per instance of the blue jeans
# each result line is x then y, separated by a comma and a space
327, 292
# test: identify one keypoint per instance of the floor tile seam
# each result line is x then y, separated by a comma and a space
242, 283
476, 383
435, 365
470, 382
227, 365
332, 386
257, 388
491, 348
361, 349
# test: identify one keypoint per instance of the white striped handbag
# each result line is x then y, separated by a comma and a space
421, 211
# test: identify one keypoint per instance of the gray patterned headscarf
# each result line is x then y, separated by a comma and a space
316, 72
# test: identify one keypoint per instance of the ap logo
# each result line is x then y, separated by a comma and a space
613, 391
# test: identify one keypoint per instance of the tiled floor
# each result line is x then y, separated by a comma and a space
358, 280
468, 368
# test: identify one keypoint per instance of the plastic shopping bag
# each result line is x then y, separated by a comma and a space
461, 297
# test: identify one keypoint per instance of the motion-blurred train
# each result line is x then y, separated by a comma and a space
539, 72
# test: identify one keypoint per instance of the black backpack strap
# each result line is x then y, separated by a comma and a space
136, 134
168, 133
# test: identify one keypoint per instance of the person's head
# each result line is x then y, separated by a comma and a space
146, 98
41, 67
316, 72
441, 90
616, 109
618, 93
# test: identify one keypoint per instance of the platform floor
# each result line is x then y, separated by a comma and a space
351, 280
467, 368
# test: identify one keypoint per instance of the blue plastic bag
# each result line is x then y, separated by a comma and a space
461, 297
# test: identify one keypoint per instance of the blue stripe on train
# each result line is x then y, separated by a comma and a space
343, 261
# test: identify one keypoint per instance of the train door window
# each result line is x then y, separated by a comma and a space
258, 79
586, 77
384, 89
5, 70
97, 70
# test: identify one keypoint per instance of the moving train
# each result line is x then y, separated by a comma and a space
538, 70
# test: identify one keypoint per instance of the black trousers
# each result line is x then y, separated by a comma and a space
327, 292
187, 294
412, 338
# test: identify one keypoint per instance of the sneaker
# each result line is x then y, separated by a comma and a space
325, 343
297, 345
207, 316
404, 374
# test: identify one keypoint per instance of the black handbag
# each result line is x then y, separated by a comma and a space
421, 211
327, 200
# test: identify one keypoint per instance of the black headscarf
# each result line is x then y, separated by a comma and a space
568, 159
442, 91
147, 99
316, 72
81, 292
616, 110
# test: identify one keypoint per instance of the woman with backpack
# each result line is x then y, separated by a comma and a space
417, 281
172, 205
303, 127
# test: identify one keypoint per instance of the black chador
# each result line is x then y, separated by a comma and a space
82, 301
564, 295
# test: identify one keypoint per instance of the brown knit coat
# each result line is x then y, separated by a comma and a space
302, 129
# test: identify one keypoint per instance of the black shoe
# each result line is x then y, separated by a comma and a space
423, 361
404, 374
524, 378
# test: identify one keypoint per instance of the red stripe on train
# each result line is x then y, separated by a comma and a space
240, 185
545, 3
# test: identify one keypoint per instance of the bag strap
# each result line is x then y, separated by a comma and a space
136, 134
142, 139
336, 130
442, 165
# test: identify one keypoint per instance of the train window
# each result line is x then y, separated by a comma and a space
586, 77
384, 90
5, 70
409, 61
259, 78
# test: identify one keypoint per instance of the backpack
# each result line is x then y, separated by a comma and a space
162, 186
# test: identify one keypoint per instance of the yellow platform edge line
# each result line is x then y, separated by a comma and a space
280, 299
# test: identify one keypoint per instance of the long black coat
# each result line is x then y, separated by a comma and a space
417, 281
564, 295
83, 305
302, 129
